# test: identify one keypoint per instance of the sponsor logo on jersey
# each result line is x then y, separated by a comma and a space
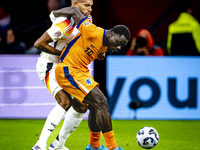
57, 34
87, 23
88, 81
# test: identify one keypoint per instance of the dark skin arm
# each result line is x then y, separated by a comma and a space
42, 45
70, 12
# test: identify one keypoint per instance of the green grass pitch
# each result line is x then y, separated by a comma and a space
174, 135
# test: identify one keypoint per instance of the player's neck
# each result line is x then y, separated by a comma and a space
107, 36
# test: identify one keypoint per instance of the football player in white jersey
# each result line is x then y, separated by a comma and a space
55, 38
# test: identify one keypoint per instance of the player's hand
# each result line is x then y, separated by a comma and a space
101, 56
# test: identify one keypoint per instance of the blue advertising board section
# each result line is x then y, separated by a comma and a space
167, 86
22, 94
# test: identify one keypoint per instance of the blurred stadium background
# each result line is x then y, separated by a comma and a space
164, 88
168, 85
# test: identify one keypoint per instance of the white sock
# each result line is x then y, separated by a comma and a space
71, 122
52, 121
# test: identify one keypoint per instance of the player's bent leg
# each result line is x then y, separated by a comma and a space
71, 122
98, 104
79, 107
99, 107
54, 117
63, 99
94, 127
95, 132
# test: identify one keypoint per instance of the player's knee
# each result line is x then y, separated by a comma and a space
79, 107
65, 104
103, 104
96, 100
63, 100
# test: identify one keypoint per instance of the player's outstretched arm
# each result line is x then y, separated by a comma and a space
69, 12
42, 44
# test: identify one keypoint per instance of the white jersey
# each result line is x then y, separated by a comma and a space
62, 31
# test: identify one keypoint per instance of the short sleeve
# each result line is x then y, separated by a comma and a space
60, 27
88, 28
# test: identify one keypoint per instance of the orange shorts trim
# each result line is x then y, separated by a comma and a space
76, 82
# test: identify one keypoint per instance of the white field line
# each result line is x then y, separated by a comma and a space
22, 87
14, 71
28, 104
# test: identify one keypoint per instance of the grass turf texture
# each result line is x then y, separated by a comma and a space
174, 135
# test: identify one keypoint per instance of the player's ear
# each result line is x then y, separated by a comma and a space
112, 33
75, 4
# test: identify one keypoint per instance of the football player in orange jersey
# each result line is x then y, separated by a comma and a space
72, 74
55, 38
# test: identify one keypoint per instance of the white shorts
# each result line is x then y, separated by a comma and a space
46, 72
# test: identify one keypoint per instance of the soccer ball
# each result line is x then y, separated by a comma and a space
147, 137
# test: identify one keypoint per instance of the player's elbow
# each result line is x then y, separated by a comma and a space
36, 44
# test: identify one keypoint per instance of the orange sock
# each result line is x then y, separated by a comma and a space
95, 139
110, 140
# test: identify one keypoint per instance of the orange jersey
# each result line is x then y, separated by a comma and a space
73, 74
85, 47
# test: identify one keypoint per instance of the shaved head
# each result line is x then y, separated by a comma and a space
77, 1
